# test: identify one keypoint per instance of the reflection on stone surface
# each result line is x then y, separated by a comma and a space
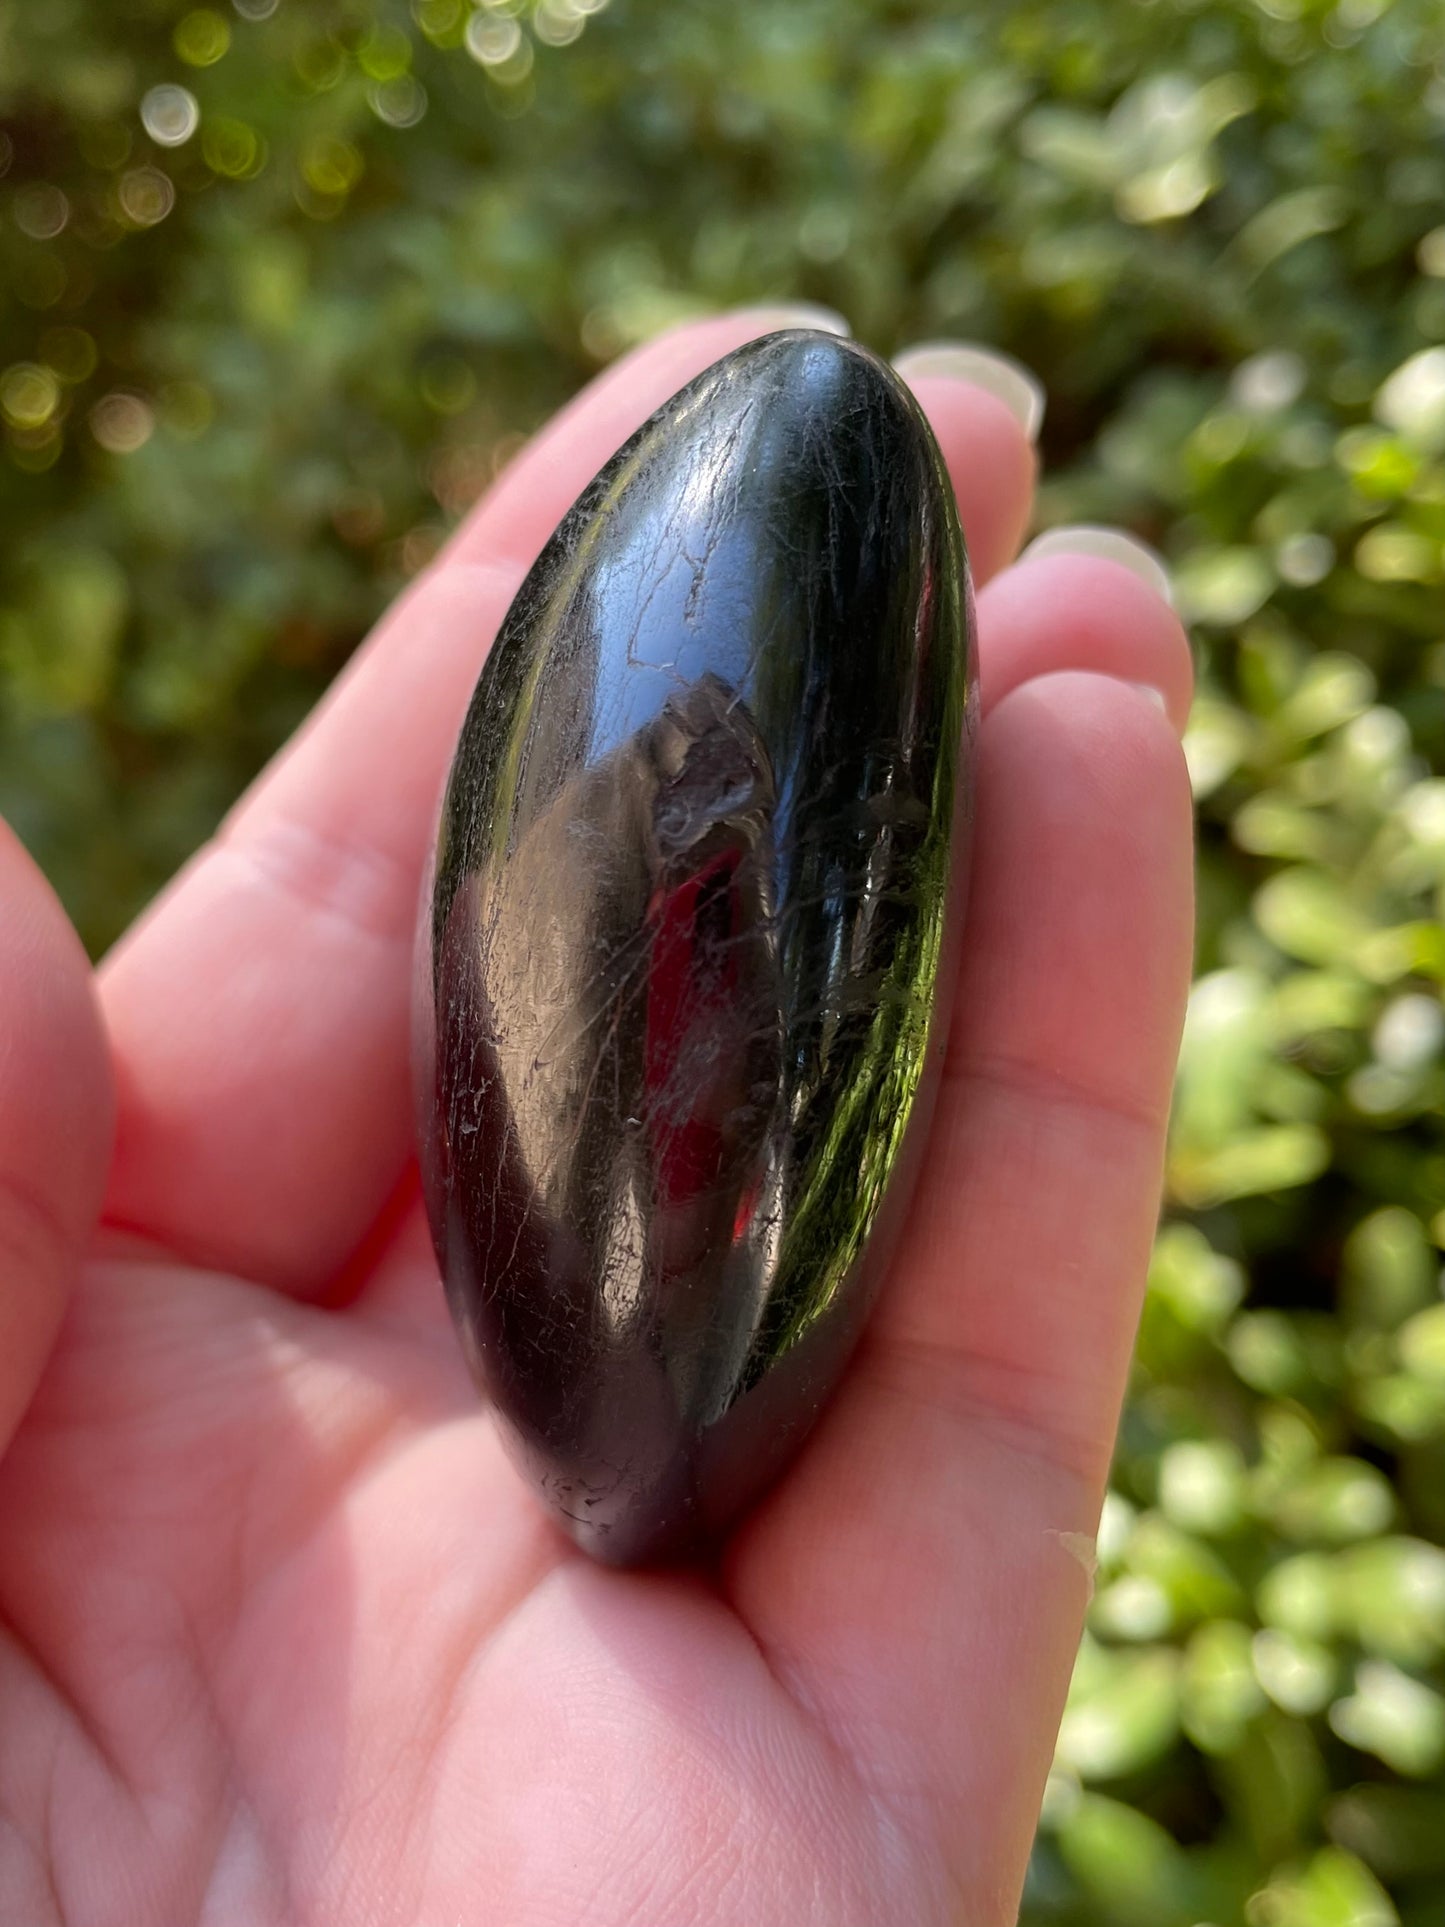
698, 881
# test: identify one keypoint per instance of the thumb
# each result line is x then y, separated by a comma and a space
56, 1121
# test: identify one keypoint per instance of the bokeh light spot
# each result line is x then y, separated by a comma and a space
41, 211
456, 476
385, 54
29, 395
440, 20
419, 546
331, 167
1267, 383
400, 103
491, 40
1305, 559
170, 115
232, 148
557, 23
122, 422
319, 65
146, 196
202, 37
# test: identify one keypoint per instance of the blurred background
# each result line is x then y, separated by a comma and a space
282, 285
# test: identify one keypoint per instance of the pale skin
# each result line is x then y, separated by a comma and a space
284, 1642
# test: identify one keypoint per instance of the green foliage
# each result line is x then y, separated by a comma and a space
280, 286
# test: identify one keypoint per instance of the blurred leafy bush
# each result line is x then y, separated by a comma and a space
282, 284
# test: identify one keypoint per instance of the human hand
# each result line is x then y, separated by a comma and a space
283, 1638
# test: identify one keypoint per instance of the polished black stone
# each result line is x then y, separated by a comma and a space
682, 992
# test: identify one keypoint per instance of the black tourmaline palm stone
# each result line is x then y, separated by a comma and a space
683, 986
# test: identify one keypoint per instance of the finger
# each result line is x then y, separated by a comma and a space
1083, 611
260, 1013
55, 1122
916, 1579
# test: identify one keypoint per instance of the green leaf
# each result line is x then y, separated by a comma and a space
1127, 1864
1123, 1718
1397, 1718
1334, 1890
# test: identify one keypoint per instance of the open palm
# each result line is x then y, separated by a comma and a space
282, 1638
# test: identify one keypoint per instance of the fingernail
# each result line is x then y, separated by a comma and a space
1017, 387
1156, 696
799, 314
1114, 546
